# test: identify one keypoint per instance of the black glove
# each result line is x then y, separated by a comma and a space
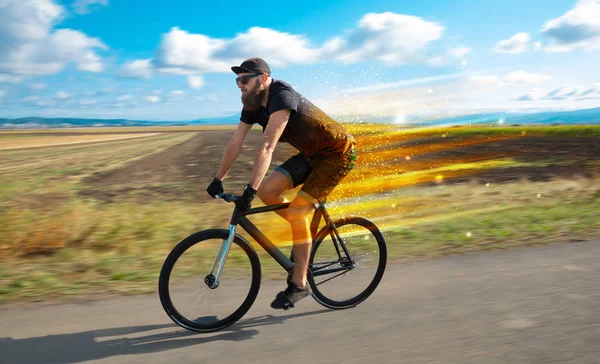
215, 187
245, 200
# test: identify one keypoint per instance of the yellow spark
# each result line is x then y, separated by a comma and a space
439, 178
468, 234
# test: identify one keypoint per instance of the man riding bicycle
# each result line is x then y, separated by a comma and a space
327, 154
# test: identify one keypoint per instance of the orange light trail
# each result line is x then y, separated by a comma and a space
390, 159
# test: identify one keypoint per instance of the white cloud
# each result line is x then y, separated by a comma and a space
28, 20
153, 99
460, 52
437, 61
30, 46
524, 78
10, 79
2, 92
183, 53
195, 82
557, 48
565, 93
516, 44
87, 6
77, 47
139, 68
515, 78
280, 48
87, 102
562, 93
124, 97
592, 92
579, 28
534, 94
588, 92
62, 95
393, 39
390, 38
485, 79
38, 86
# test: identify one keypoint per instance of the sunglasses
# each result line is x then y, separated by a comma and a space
245, 79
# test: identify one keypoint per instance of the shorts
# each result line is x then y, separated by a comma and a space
319, 175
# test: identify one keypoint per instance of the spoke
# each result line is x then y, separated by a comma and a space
337, 275
324, 265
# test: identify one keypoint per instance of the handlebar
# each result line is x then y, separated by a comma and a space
227, 197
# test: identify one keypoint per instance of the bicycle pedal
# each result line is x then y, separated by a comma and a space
282, 302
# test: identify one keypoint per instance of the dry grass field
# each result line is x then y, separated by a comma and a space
95, 211
33, 141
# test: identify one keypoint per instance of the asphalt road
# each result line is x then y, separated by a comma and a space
526, 305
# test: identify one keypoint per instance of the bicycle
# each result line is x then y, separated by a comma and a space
340, 249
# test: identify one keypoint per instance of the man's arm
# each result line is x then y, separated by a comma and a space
233, 149
277, 122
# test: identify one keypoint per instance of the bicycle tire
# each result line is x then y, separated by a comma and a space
370, 231
164, 284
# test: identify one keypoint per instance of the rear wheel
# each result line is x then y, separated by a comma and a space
186, 288
343, 278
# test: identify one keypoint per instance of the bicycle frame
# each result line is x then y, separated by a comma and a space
239, 218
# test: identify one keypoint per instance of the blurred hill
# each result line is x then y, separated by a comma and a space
43, 123
584, 116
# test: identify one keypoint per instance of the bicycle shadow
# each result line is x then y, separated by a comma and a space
272, 319
99, 344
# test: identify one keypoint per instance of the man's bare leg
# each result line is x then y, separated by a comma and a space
271, 189
297, 214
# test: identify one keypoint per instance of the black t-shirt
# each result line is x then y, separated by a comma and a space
309, 129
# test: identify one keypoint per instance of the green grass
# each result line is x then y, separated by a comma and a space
119, 248
511, 227
54, 244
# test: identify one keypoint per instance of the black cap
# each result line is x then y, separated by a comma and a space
252, 65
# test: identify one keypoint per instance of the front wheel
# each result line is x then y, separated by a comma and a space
346, 272
187, 290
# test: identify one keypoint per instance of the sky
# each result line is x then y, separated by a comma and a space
365, 60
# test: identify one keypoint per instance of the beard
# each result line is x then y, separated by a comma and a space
252, 99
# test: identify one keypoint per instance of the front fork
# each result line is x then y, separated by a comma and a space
211, 279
